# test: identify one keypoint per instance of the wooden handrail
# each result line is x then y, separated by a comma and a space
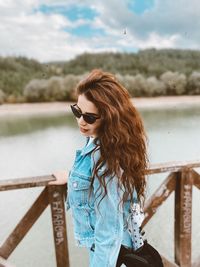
27, 182
173, 166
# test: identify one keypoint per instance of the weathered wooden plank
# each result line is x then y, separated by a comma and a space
173, 166
25, 224
56, 199
183, 218
168, 263
20, 183
5, 263
160, 195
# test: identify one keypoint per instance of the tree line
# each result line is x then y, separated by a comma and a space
146, 73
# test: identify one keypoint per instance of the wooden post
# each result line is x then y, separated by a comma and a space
183, 218
56, 200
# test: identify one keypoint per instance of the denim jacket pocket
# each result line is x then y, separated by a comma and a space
81, 208
79, 192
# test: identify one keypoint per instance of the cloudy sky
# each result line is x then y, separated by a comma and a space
50, 30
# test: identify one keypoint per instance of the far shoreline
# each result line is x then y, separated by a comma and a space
50, 108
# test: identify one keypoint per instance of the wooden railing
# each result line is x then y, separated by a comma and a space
181, 179
53, 195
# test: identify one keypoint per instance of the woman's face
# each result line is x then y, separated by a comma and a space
87, 107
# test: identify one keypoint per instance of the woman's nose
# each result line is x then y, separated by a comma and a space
81, 121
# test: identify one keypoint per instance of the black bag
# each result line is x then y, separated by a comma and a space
145, 256
142, 254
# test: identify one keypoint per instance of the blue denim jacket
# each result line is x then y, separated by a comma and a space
104, 226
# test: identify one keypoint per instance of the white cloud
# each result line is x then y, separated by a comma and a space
42, 36
168, 24
154, 41
37, 35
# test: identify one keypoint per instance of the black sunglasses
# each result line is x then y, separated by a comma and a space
89, 118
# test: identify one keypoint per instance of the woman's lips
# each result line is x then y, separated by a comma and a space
83, 130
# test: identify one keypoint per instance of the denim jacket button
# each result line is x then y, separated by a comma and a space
75, 184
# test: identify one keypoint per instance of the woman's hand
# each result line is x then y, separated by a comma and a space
61, 178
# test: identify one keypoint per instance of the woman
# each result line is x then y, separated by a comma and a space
109, 172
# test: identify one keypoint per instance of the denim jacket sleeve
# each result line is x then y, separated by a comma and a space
109, 224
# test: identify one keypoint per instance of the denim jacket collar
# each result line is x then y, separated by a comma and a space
89, 148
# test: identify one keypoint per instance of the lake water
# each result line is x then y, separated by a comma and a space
33, 146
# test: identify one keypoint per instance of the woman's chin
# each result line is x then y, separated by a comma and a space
85, 133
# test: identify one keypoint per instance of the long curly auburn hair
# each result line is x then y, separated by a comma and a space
121, 134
